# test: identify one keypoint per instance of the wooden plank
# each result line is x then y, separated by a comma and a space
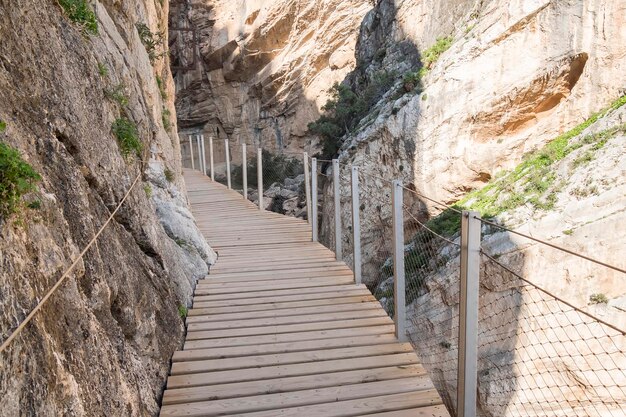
295, 284
294, 399
288, 328
257, 361
289, 384
295, 311
287, 337
312, 293
274, 317
332, 304
267, 372
342, 408
300, 346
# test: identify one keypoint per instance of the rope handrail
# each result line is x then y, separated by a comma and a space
52, 290
515, 274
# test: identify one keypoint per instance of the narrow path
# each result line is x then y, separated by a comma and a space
280, 329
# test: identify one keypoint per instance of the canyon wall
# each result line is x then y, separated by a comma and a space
102, 343
263, 68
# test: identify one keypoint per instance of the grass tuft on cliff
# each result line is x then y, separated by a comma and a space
533, 181
127, 137
16, 179
80, 12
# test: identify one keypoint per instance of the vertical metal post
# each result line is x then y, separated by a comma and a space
314, 199
244, 170
227, 163
307, 186
203, 155
193, 164
337, 200
356, 226
199, 152
399, 293
211, 158
259, 176
468, 314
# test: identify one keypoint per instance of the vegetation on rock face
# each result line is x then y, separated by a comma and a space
161, 85
103, 70
169, 175
183, 311
16, 179
3, 126
126, 133
165, 118
533, 181
117, 94
346, 108
598, 299
432, 54
79, 11
151, 41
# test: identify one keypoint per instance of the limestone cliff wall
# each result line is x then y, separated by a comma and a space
102, 343
516, 76
264, 67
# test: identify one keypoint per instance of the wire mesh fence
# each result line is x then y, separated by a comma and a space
540, 355
432, 273
326, 204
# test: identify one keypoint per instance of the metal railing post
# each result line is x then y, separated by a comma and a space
356, 226
199, 152
259, 175
244, 170
193, 164
399, 294
307, 186
337, 200
211, 158
203, 155
227, 163
314, 199
468, 314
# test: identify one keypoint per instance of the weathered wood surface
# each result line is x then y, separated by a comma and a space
280, 329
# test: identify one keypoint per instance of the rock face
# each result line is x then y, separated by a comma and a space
534, 350
101, 345
482, 106
264, 66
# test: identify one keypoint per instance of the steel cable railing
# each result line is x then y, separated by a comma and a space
542, 355
536, 353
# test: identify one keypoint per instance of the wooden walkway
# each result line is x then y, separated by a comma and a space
280, 329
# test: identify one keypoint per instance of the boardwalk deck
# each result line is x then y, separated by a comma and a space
280, 329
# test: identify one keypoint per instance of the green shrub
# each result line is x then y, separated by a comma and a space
598, 298
102, 70
412, 81
117, 94
161, 85
127, 137
16, 179
148, 190
80, 12
151, 41
35, 204
3, 126
432, 54
183, 311
169, 174
346, 108
165, 118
